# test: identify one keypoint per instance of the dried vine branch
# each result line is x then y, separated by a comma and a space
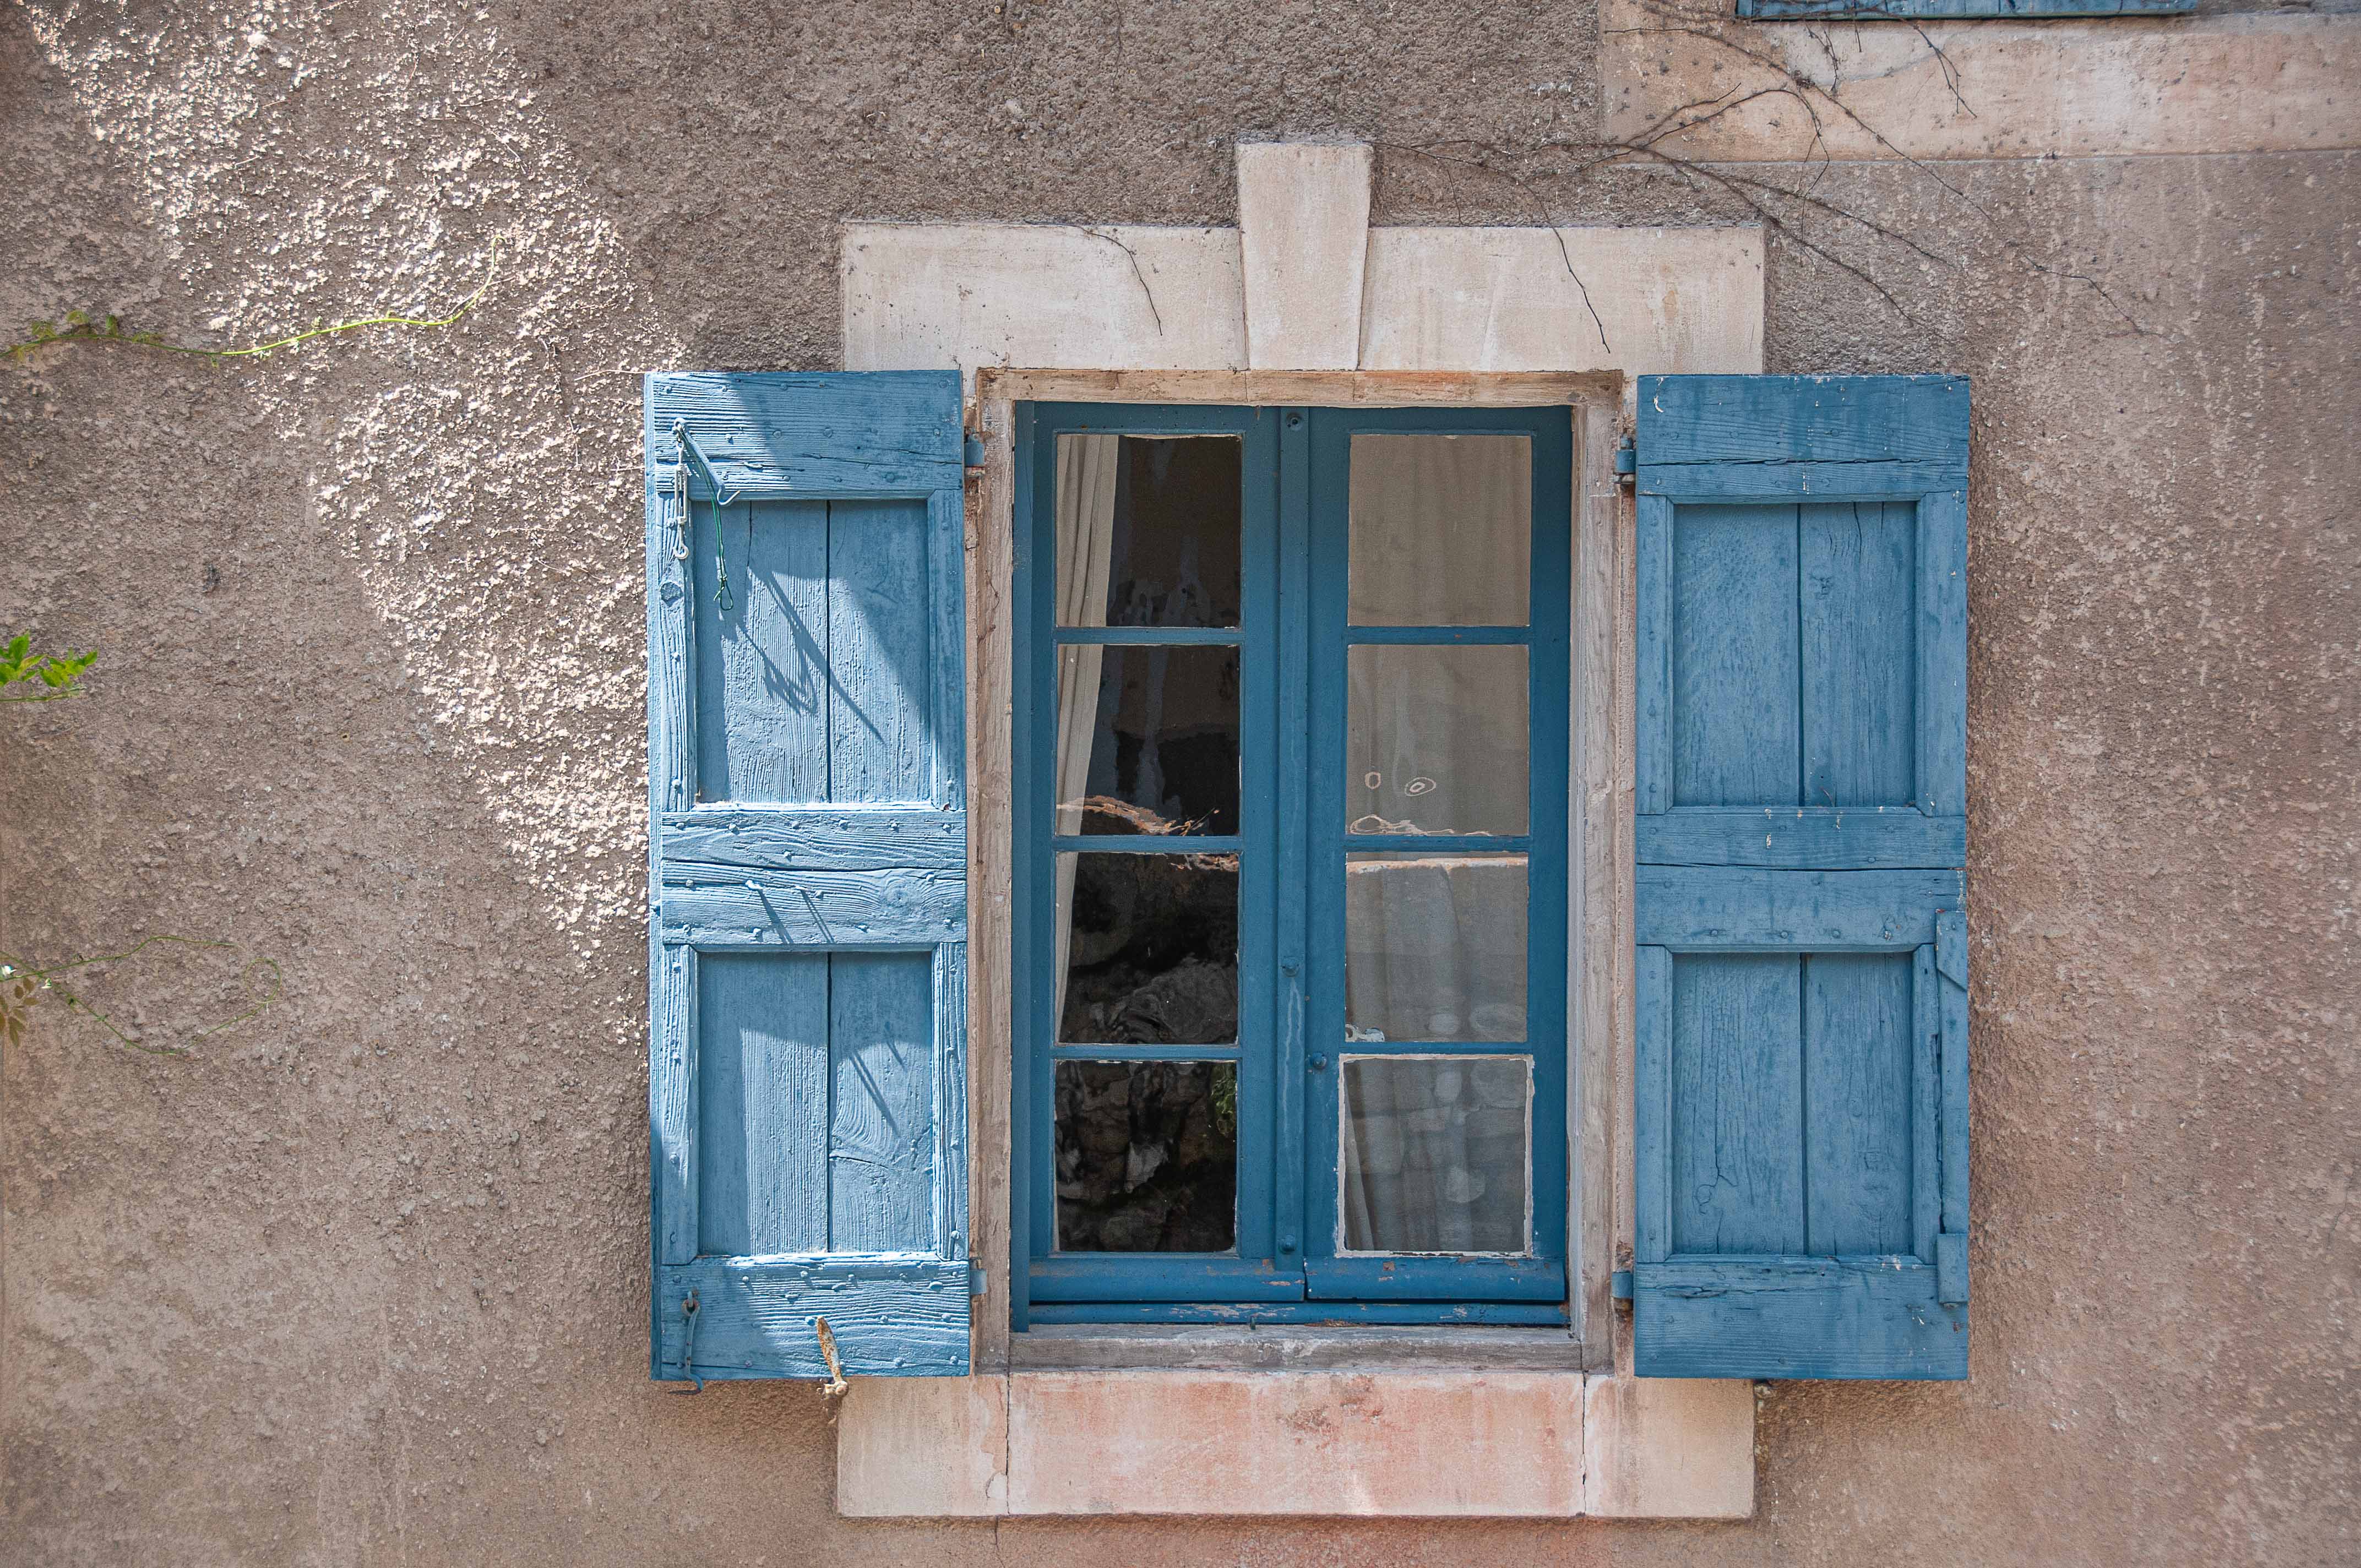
80, 328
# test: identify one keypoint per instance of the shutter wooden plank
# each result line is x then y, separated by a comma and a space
1652, 763
1738, 1104
818, 909
835, 435
672, 1101
1712, 438
1735, 658
1943, 653
1951, 967
1802, 838
762, 665
1703, 906
1653, 1141
1892, 10
880, 1065
1925, 1104
706, 846
755, 1316
762, 1049
1838, 1318
1857, 1072
1860, 587
882, 739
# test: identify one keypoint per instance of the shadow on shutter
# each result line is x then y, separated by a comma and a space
808, 950
1802, 1149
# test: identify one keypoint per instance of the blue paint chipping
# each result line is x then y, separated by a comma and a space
1801, 1083
807, 868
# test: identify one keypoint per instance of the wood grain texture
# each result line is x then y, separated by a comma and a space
1313, 389
762, 1093
1802, 838
703, 845
762, 665
1735, 657
892, 1317
1736, 1163
1952, 10
1857, 594
1842, 1318
881, 665
989, 563
1942, 645
818, 909
1857, 1023
672, 1101
1703, 906
878, 433
1768, 438
881, 1134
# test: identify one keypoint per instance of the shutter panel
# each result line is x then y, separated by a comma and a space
808, 950
1802, 1139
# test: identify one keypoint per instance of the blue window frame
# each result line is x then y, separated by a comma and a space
1321, 1076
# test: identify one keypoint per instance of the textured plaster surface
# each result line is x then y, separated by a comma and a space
364, 1282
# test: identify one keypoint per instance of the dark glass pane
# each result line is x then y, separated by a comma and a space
1147, 948
1443, 530
1436, 1154
1148, 1155
1148, 740
1148, 530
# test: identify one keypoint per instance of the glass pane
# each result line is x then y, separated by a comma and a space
1148, 950
1148, 530
1148, 740
1443, 530
1436, 1153
1434, 947
1435, 739
1148, 1156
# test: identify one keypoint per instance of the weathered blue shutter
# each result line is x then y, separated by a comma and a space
808, 949
1802, 1137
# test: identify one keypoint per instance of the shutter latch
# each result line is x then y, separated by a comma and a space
1627, 462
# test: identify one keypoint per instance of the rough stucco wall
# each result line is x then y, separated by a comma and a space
366, 1281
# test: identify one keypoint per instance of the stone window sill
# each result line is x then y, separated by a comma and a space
1400, 1445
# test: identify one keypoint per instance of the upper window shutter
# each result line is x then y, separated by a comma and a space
1802, 1140
808, 950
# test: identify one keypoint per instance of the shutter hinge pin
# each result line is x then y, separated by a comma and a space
972, 451
1627, 462
836, 1385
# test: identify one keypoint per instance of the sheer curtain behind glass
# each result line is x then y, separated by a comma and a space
1435, 1151
1087, 469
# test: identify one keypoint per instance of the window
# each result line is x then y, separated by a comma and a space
1284, 954
1291, 863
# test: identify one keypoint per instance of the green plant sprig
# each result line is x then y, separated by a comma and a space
55, 675
23, 986
79, 328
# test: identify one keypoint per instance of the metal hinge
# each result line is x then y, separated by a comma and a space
1619, 1283
978, 1281
974, 451
1627, 462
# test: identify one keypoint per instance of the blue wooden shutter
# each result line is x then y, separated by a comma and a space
808, 950
1802, 1137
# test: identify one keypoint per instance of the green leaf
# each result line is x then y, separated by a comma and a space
42, 331
76, 318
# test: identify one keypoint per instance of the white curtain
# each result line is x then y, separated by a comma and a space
1087, 468
1435, 1155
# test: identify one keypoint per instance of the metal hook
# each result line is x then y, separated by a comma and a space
688, 1345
